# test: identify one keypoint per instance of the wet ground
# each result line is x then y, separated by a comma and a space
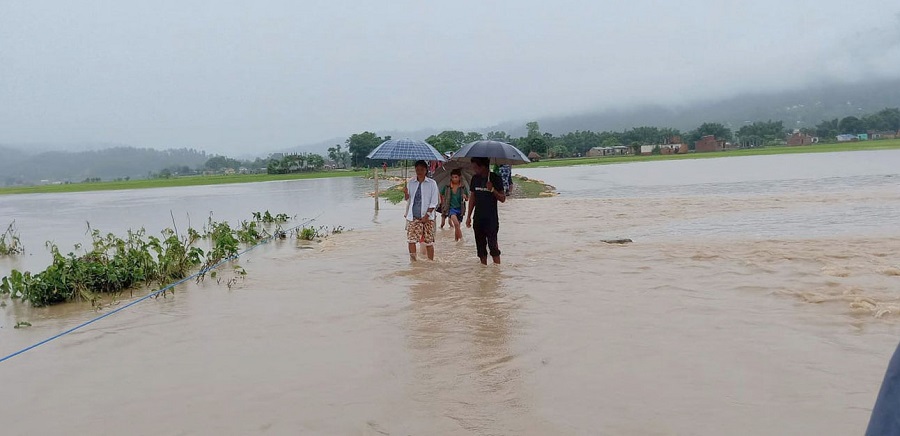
729, 313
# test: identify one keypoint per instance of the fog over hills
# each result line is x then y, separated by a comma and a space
798, 108
31, 163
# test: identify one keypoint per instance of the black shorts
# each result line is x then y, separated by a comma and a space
486, 239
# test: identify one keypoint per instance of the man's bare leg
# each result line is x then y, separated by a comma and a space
429, 249
496, 260
412, 252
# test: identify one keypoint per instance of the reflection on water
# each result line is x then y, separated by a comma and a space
748, 314
460, 315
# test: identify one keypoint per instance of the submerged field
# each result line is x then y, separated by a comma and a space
174, 181
818, 148
607, 160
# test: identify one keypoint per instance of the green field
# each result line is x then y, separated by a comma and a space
818, 148
174, 181
250, 178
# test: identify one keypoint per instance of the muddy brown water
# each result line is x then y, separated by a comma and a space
680, 332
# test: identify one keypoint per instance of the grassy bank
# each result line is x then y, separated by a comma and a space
173, 182
818, 148
523, 188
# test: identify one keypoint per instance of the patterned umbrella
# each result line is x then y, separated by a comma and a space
500, 153
406, 149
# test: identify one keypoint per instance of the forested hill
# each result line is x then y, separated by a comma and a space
798, 108
19, 166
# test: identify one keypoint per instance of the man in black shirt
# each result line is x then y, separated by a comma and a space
487, 190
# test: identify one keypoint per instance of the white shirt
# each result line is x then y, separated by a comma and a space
430, 196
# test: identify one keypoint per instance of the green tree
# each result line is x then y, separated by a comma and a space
218, 163
761, 132
360, 145
828, 130
274, 167
609, 142
536, 144
890, 118
885, 119
647, 135
498, 136
448, 140
851, 125
716, 129
340, 157
472, 137
315, 161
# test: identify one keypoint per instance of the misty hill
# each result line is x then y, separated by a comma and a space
21, 166
798, 108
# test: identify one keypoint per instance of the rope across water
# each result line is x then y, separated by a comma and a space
154, 293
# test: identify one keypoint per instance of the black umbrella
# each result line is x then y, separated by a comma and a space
499, 153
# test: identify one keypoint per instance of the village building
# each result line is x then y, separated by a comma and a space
798, 138
709, 143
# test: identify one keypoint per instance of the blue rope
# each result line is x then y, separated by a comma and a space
154, 293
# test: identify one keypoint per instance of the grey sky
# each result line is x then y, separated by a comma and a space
237, 76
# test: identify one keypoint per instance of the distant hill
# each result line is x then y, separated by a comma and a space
19, 166
32, 163
798, 108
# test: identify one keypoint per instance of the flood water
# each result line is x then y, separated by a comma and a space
726, 315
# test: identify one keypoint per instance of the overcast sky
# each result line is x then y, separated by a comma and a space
232, 77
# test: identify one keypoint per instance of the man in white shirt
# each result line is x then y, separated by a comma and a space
423, 198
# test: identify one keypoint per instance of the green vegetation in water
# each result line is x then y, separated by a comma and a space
393, 194
816, 148
313, 233
10, 244
113, 264
174, 181
22, 324
268, 218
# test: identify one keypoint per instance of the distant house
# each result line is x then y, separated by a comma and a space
673, 149
798, 138
647, 150
847, 138
599, 151
534, 157
883, 134
709, 143
621, 150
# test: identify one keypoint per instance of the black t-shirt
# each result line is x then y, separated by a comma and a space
485, 202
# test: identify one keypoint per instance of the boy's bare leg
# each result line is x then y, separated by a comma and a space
429, 249
454, 222
412, 252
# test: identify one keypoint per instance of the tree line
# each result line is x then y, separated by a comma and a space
577, 143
